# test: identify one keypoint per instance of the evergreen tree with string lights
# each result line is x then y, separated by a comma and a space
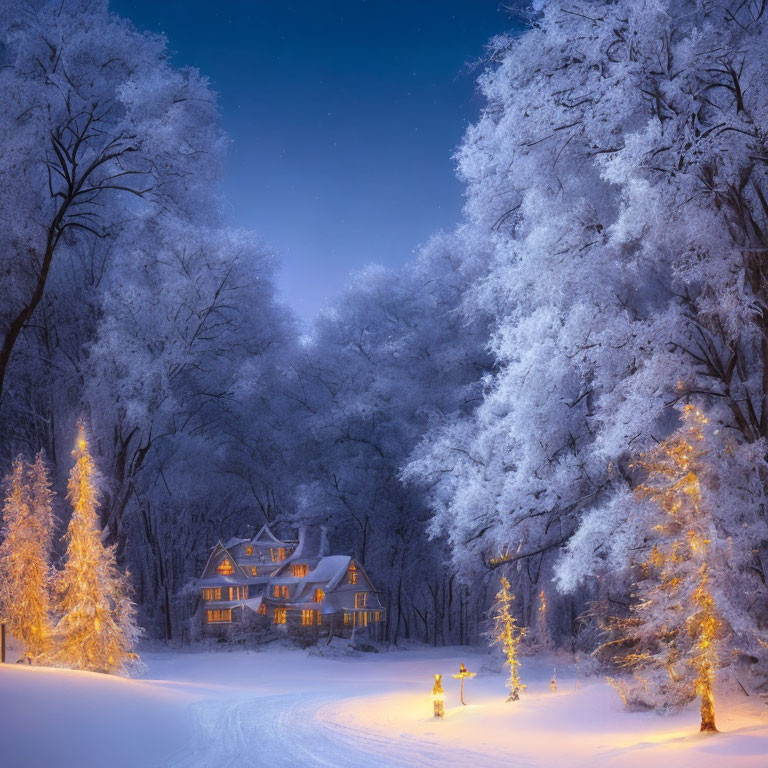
671, 638
97, 630
507, 636
25, 558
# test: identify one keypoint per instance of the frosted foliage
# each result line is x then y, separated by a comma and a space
618, 179
126, 300
391, 358
99, 131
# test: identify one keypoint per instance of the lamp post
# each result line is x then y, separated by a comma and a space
462, 674
438, 697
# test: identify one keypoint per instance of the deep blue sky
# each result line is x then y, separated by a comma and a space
343, 114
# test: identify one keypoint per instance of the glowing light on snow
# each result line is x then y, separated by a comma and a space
438, 697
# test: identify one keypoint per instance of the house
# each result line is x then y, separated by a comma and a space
291, 586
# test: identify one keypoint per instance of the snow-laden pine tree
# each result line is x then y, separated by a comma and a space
97, 629
24, 558
671, 639
506, 635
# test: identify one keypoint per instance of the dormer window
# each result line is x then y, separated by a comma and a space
249, 549
300, 569
278, 554
226, 568
352, 574
319, 595
281, 591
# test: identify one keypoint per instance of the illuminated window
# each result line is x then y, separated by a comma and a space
307, 618
352, 574
319, 595
263, 609
279, 616
362, 619
300, 569
225, 568
249, 550
212, 594
238, 593
223, 616
377, 616
347, 618
361, 599
278, 554
254, 571
281, 591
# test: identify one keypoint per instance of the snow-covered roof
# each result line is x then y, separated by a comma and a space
253, 603
329, 570
265, 536
235, 580
234, 541
325, 572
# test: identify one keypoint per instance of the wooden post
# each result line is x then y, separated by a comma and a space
2, 642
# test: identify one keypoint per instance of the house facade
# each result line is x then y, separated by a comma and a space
291, 586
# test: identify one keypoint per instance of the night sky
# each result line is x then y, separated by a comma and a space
344, 116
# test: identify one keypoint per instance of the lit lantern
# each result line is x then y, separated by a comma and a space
438, 696
553, 681
462, 674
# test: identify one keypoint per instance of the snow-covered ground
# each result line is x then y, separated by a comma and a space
284, 707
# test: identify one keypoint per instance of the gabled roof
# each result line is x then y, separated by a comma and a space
329, 570
221, 548
265, 536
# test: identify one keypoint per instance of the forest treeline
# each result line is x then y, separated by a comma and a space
476, 413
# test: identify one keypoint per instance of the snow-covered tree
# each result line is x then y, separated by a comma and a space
617, 177
98, 129
673, 638
24, 558
507, 636
145, 313
97, 629
392, 356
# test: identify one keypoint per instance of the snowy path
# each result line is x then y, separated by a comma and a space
280, 730
281, 708
292, 710
312, 727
